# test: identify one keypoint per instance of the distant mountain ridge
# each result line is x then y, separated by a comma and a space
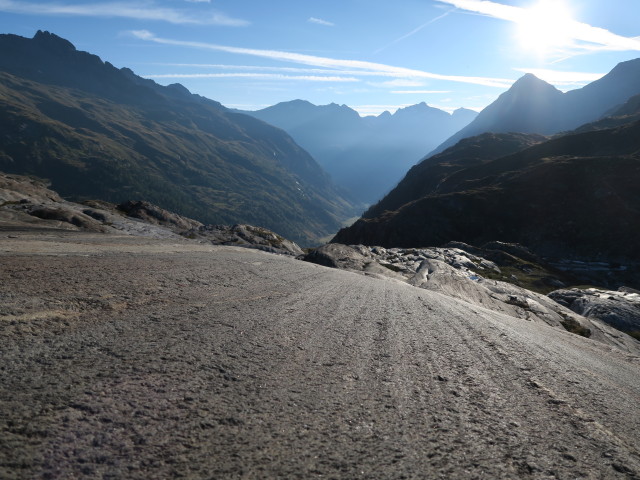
532, 105
96, 131
365, 155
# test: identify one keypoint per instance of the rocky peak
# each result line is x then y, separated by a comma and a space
52, 42
531, 84
464, 113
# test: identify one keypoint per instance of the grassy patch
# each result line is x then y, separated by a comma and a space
572, 326
531, 276
635, 334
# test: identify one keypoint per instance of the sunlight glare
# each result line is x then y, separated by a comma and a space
545, 27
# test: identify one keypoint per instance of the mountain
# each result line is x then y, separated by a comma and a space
427, 176
95, 131
532, 105
574, 196
365, 155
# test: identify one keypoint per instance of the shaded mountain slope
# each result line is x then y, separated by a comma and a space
98, 132
574, 196
365, 155
425, 177
596, 99
532, 105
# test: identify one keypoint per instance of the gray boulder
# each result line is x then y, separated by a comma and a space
620, 309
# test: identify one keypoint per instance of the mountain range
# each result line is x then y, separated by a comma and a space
99, 132
367, 156
571, 196
532, 105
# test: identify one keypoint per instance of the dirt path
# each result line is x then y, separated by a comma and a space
125, 358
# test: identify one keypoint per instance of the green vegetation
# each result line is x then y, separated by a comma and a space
572, 326
532, 276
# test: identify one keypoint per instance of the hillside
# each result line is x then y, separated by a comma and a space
367, 156
532, 105
95, 131
574, 196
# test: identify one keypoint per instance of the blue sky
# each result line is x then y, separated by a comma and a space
372, 55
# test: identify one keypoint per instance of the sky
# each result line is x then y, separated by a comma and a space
372, 55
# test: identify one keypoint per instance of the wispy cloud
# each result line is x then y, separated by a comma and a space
419, 92
413, 32
358, 67
144, 11
254, 68
584, 37
402, 82
261, 76
319, 21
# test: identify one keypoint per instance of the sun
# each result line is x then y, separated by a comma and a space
545, 27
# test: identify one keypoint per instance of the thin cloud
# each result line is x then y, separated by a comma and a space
413, 32
319, 21
419, 92
261, 76
261, 68
121, 10
584, 36
362, 67
402, 82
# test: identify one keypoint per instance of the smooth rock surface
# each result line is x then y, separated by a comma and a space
129, 357
459, 274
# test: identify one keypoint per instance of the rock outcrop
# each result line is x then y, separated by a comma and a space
620, 309
27, 203
244, 236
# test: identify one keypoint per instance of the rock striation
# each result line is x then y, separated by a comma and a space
465, 276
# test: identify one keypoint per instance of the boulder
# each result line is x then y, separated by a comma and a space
620, 309
155, 215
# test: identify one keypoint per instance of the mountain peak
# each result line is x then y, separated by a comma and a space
464, 112
52, 41
418, 107
420, 110
299, 102
626, 68
529, 81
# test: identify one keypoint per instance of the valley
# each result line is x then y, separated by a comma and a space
190, 290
